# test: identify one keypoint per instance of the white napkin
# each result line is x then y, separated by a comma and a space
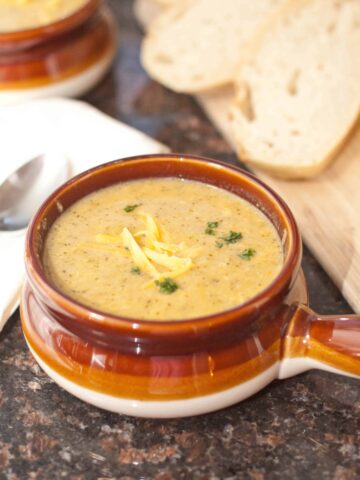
84, 135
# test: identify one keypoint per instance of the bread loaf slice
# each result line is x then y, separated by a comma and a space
197, 48
147, 11
298, 90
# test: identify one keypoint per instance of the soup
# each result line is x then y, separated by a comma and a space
18, 15
162, 249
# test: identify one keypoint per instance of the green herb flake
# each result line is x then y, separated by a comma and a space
232, 237
219, 244
136, 271
131, 208
167, 286
210, 228
247, 254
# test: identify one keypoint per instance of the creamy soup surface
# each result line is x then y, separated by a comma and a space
18, 15
162, 249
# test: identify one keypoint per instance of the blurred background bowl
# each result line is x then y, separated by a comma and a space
64, 58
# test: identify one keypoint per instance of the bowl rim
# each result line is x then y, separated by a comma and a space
56, 28
99, 319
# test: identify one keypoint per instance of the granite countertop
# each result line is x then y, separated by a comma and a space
306, 427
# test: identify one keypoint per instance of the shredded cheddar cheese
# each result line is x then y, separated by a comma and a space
171, 262
137, 253
109, 239
150, 250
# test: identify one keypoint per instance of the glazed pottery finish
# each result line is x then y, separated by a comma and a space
61, 50
169, 369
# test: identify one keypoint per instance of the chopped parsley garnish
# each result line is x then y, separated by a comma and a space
167, 286
135, 270
210, 228
232, 237
131, 208
219, 244
247, 253
213, 224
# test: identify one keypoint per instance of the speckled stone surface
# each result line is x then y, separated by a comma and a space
307, 427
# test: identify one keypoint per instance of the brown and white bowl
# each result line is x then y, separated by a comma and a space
189, 367
65, 58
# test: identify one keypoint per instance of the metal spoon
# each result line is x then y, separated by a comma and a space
26, 188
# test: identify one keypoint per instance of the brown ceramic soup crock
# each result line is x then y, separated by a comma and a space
66, 57
187, 367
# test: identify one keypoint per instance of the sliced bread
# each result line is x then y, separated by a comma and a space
298, 90
146, 12
198, 48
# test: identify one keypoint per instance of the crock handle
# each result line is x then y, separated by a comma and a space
326, 342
